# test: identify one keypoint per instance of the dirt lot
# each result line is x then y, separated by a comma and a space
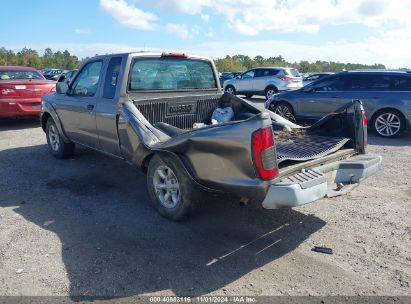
85, 227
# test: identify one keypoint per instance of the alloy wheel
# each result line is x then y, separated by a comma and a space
166, 186
229, 90
270, 93
285, 112
54, 138
387, 124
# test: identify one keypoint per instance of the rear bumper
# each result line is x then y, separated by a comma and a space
330, 180
20, 107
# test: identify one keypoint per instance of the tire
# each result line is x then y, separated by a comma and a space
58, 148
388, 123
171, 191
230, 89
284, 110
248, 95
269, 91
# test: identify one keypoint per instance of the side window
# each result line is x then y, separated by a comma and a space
369, 83
401, 83
260, 73
330, 84
110, 83
249, 74
87, 81
313, 77
272, 72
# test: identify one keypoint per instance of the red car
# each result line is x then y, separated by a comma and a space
21, 89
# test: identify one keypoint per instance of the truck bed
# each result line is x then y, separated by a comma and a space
295, 145
299, 145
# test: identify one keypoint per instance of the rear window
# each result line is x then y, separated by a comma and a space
171, 74
23, 74
292, 72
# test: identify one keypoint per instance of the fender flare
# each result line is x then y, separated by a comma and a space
48, 109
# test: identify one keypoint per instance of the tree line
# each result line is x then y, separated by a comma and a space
31, 58
64, 60
243, 62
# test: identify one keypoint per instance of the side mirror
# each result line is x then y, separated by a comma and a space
308, 89
61, 78
62, 87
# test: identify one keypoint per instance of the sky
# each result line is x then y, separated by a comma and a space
360, 31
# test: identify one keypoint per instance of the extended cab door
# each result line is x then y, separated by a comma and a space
77, 108
106, 110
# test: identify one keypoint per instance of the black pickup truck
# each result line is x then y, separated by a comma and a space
155, 111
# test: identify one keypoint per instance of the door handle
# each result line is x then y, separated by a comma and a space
90, 107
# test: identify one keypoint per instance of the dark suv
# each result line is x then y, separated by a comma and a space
386, 96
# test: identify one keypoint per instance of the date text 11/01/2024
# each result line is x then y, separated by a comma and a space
203, 299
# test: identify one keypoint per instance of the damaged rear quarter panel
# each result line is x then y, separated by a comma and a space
217, 157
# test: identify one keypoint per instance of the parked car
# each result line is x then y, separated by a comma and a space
228, 75
313, 77
21, 89
67, 75
386, 96
155, 111
53, 74
264, 81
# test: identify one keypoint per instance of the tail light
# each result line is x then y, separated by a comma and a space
364, 124
264, 153
285, 78
7, 92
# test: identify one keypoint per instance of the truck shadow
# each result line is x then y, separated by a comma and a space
19, 123
115, 245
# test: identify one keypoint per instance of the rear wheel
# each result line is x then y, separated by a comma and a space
170, 190
270, 91
388, 123
230, 90
284, 110
57, 146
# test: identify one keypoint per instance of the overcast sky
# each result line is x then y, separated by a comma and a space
361, 31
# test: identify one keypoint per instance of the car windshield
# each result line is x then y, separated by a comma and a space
19, 74
292, 72
171, 74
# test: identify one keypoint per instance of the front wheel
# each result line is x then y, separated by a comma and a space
57, 146
230, 90
170, 190
388, 123
284, 110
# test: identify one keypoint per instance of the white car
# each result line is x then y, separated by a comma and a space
264, 81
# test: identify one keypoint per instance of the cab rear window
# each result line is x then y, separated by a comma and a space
171, 74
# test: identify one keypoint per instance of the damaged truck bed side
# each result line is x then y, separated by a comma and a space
156, 112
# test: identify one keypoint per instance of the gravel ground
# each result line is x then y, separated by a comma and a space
84, 226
